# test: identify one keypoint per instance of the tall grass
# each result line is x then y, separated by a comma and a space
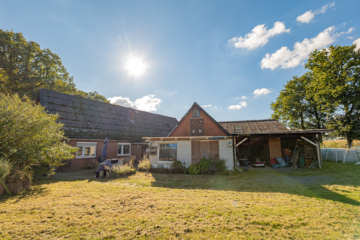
144, 164
339, 144
122, 169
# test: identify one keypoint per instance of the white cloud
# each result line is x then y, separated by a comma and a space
238, 106
259, 36
243, 97
262, 91
350, 30
204, 106
209, 106
125, 102
147, 103
285, 58
306, 17
357, 42
309, 15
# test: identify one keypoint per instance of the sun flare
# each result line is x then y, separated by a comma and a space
135, 66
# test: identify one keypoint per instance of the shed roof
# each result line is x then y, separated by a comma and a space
90, 119
254, 126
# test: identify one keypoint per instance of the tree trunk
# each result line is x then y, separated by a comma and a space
349, 142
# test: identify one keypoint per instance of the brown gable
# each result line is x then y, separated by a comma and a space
194, 125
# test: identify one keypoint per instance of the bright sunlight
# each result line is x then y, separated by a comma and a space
135, 66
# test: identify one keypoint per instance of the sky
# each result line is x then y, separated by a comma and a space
231, 57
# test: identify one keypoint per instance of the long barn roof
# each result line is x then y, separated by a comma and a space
254, 126
89, 119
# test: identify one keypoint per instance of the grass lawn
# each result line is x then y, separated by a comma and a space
260, 204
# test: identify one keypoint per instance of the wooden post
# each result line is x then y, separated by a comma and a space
234, 151
319, 152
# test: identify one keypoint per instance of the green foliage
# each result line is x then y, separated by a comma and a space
29, 135
5, 168
336, 86
296, 106
144, 164
178, 166
24, 67
207, 165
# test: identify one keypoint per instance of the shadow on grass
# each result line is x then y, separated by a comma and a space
299, 182
34, 191
308, 183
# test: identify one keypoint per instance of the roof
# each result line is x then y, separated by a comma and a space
89, 119
265, 126
208, 115
254, 126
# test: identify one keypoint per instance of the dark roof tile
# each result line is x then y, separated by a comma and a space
86, 118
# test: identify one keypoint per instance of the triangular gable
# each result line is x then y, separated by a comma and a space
211, 126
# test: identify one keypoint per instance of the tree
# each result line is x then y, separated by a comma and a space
24, 67
336, 87
296, 106
29, 135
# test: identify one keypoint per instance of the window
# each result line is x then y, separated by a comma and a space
168, 152
86, 150
123, 149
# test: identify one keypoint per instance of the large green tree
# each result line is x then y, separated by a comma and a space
30, 136
24, 67
336, 86
296, 106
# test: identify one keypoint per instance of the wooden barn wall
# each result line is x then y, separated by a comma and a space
275, 147
210, 128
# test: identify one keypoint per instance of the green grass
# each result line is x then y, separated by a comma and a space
260, 204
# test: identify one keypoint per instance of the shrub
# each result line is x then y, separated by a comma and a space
122, 169
5, 168
220, 165
193, 169
178, 167
207, 165
29, 135
144, 164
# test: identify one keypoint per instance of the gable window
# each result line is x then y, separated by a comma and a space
86, 150
124, 149
168, 152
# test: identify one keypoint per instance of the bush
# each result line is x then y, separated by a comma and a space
5, 168
178, 167
122, 169
30, 136
144, 164
207, 165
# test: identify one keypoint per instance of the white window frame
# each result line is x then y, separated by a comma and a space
83, 145
122, 149
159, 151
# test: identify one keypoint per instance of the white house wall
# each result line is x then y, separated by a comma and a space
226, 152
184, 153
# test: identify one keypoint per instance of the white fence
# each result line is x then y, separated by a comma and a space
341, 155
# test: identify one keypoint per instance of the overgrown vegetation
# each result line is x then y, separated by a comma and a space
24, 67
206, 166
260, 204
339, 144
29, 136
122, 170
144, 164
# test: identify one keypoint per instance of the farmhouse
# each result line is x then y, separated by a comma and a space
198, 135
88, 122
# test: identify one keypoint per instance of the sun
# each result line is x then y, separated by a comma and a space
135, 66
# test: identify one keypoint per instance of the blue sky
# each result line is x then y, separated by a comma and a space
233, 55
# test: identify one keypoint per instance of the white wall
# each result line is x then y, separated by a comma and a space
226, 153
184, 153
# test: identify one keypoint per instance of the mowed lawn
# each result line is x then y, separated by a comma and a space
260, 204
